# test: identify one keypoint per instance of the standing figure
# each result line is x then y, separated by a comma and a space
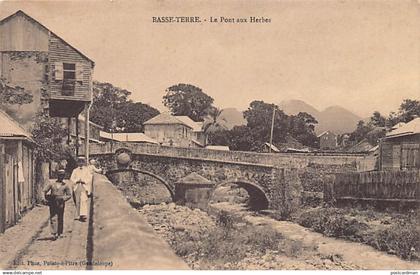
93, 167
82, 180
59, 193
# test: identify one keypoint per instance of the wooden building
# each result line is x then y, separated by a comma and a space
57, 74
17, 178
400, 148
327, 141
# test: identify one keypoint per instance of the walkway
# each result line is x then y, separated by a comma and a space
28, 245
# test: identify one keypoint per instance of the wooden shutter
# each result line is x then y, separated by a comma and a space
79, 71
58, 71
396, 156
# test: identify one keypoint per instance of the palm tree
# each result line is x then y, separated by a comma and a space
212, 121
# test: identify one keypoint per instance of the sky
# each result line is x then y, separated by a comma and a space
362, 55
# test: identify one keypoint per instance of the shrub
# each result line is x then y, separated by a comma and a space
224, 219
402, 240
261, 238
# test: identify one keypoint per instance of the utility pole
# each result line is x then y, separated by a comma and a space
272, 128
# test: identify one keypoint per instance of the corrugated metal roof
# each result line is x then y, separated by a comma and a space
11, 128
128, 137
410, 128
218, 147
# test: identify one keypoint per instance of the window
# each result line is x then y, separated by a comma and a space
69, 74
69, 71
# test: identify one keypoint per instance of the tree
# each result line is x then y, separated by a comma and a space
377, 119
107, 100
409, 109
302, 128
187, 100
48, 135
259, 116
360, 133
131, 116
112, 109
258, 129
239, 138
13, 95
212, 121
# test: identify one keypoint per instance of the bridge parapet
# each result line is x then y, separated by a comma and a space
360, 162
122, 236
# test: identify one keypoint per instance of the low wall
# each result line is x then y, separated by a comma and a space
314, 169
360, 162
120, 234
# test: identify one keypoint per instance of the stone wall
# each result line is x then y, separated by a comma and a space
121, 237
359, 162
272, 180
26, 70
314, 169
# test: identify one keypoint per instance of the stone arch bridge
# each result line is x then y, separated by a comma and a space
275, 176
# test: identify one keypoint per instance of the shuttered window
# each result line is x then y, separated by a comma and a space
68, 71
410, 156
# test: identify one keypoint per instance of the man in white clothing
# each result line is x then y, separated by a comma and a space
82, 187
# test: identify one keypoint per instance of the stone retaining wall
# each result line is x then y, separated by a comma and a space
120, 234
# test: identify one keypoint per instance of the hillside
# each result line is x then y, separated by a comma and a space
334, 118
231, 117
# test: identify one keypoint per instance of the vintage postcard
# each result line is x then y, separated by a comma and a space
210, 135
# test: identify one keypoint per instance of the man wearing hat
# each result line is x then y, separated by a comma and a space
55, 195
81, 177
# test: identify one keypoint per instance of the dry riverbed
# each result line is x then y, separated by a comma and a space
223, 242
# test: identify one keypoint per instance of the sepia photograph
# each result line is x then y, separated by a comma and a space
239, 135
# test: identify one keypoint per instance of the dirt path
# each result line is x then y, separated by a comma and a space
65, 253
364, 256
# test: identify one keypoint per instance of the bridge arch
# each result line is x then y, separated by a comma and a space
258, 200
160, 179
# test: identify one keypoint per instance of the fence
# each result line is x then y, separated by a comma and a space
398, 186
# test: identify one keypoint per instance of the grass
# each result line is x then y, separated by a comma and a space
228, 243
396, 234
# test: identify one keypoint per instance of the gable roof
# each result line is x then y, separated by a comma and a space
273, 147
410, 128
326, 132
196, 126
20, 12
11, 128
166, 118
194, 178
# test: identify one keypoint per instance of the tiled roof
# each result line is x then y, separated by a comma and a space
165, 118
196, 126
11, 128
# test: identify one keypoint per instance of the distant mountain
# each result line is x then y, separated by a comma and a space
335, 118
231, 117
294, 106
